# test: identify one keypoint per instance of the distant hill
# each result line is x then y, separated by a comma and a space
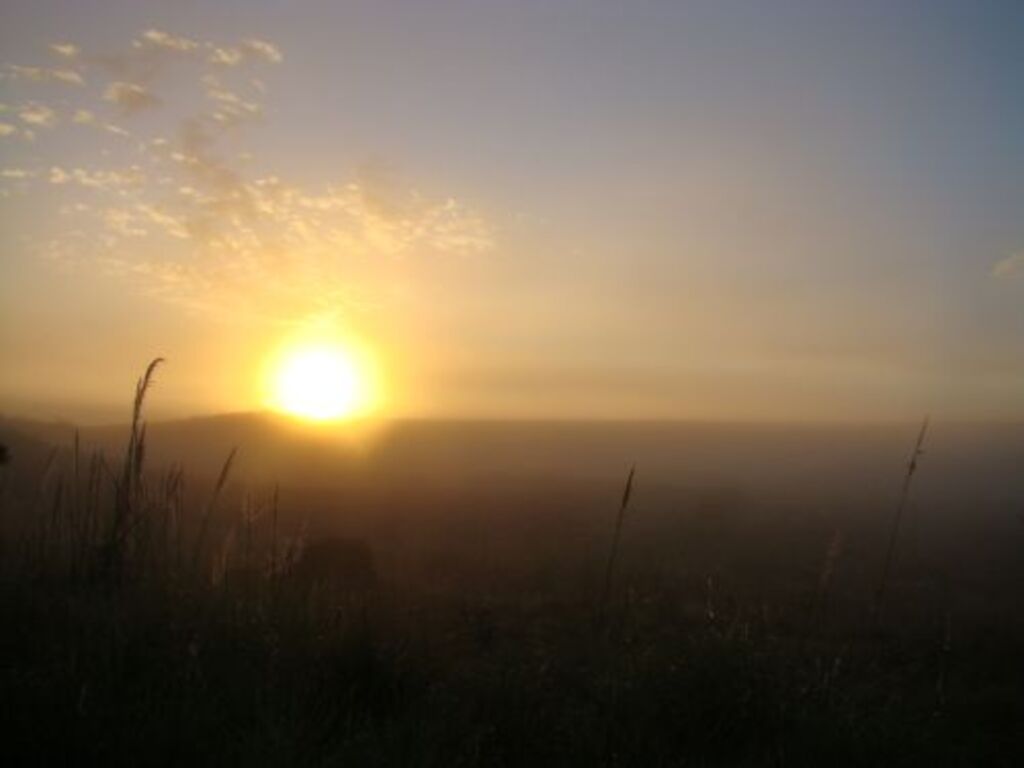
962, 462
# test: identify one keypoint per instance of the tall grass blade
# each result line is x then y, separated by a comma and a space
112, 559
890, 552
208, 515
613, 555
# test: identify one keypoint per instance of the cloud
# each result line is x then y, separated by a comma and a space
65, 50
248, 49
173, 225
230, 107
88, 117
98, 179
226, 57
58, 176
130, 97
160, 39
267, 248
43, 75
177, 211
38, 114
123, 223
1009, 266
262, 48
147, 57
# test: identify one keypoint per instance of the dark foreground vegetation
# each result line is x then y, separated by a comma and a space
145, 622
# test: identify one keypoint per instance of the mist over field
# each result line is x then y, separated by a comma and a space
544, 493
966, 462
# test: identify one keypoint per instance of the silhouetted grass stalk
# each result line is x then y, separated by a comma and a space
890, 552
128, 487
828, 569
613, 555
208, 515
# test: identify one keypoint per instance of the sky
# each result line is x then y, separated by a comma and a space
721, 210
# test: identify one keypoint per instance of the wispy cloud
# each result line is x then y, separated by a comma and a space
65, 50
232, 56
1010, 266
262, 48
98, 179
230, 106
161, 39
150, 54
43, 75
36, 114
175, 208
130, 97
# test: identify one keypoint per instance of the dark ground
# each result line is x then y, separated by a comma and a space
739, 630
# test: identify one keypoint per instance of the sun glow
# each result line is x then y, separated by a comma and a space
321, 382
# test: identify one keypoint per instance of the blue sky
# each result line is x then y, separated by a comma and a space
807, 210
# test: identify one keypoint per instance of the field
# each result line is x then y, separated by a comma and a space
152, 613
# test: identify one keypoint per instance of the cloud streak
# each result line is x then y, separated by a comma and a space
65, 50
247, 50
161, 39
43, 75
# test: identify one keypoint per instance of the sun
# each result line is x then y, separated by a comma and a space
321, 382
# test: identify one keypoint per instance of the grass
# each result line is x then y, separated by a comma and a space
614, 552
126, 642
897, 519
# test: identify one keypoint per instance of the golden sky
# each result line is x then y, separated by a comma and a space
535, 210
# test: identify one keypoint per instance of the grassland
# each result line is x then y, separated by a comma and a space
152, 619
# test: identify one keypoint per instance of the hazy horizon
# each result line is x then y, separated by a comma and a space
92, 415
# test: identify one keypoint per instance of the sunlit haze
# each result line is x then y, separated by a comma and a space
320, 383
686, 210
